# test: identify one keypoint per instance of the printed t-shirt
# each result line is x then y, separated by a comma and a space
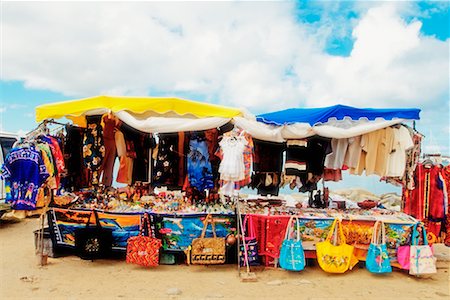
24, 172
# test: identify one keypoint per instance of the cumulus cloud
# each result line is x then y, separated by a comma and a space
253, 55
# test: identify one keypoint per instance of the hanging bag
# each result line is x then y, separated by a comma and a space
251, 245
403, 253
292, 255
208, 251
421, 258
335, 258
144, 250
377, 260
93, 242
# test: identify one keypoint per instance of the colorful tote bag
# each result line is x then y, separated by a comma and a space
421, 258
292, 255
208, 251
334, 257
377, 260
144, 250
251, 244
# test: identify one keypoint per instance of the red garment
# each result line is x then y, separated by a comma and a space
447, 231
110, 150
427, 199
269, 232
58, 158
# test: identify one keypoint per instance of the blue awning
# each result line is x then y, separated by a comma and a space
323, 114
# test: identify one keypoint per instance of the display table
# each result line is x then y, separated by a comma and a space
178, 230
315, 225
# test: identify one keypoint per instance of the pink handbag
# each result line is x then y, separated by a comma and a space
403, 256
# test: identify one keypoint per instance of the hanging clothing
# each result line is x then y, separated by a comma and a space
47, 158
139, 144
109, 126
412, 159
296, 158
385, 148
427, 200
353, 152
402, 142
57, 156
77, 174
265, 170
165, 172
368, 160
318, 148
232, 167
198, 164
212, 139
24, 172
335, 160
93, 147
248, 160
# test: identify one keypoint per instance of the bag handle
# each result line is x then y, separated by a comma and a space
415, 235
336, 228
248, 222
208, 220
97, 221
145, 220
289, 228
378, 233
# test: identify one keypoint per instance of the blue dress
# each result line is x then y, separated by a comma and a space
24, 172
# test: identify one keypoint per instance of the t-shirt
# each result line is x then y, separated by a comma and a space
24, 172
335, 159
353, 152
402, 141
383, 151
370, 143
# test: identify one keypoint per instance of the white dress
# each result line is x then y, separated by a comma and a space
232, 166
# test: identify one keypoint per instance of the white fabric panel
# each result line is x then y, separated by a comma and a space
297, 131
260, 130
363, 128
166, 125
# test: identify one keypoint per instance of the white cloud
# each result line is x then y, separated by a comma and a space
252, 55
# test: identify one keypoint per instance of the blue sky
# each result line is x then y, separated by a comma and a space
263, 56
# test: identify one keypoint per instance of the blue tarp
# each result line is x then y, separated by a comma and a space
321, 115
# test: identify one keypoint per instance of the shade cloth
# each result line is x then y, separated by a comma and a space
168, 124
137, 105
314, 116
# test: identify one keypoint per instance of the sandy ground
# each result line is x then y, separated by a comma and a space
72, 278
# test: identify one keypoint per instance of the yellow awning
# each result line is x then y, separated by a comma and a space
138, 105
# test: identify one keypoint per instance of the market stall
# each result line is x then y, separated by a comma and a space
183, 161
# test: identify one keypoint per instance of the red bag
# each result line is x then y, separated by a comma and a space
144, 250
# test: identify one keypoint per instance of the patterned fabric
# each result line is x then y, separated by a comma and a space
47, 158
248, 160
144, 250
24, 172
198, 165
93, 148
166, 166
447, 230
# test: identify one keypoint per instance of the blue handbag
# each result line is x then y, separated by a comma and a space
377, 260
292, 256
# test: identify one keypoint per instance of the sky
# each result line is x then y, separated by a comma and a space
263, 56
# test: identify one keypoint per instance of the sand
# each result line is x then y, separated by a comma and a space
72, 278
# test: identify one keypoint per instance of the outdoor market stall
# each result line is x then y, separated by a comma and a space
208, 153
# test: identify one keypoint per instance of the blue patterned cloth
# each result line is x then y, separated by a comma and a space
24, 172
198, 165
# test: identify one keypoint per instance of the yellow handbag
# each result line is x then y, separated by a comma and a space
333, 258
